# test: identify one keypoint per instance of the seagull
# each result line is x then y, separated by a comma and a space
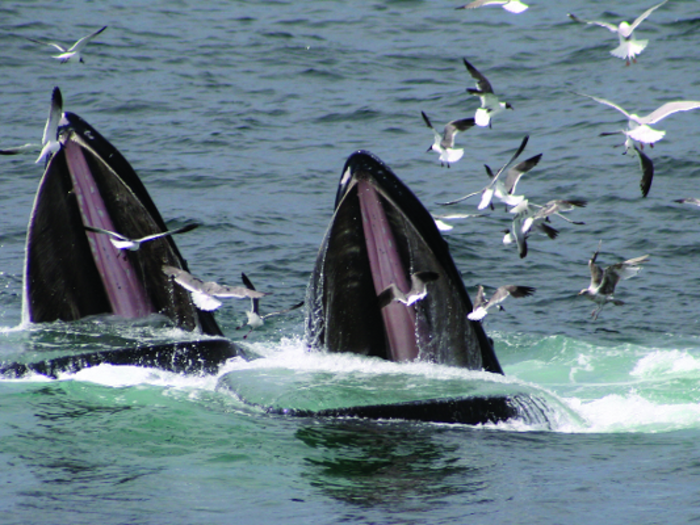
502, 190
444, 145
629, 46
490, 104
553, 207
515, 234
603, 282
49, 141
639, 127
255, 320
417, 292
204, 294
73, 52
527, 219
689, 200
481, 306
514, 6
121, 242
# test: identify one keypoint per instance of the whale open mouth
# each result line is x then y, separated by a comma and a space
71, 273
379, 236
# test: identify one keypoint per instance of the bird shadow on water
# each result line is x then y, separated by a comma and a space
383, 464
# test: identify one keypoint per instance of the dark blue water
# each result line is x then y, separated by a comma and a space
240, 115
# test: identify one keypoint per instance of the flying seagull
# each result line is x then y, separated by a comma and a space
417, 292
204, 294
527, 219
639, 127
502, 189
481, 305
49, 141
553, 207
121, 242
629, 46
514, 6
490, 103
689, 200
603, 282
72, 53
444, 144
255, 320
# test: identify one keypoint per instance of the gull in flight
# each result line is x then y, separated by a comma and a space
417, 292
71, 53
481, 305
517, 235
490, 103
255, 320
503, 189
629, 46
513, 6
121, 242
603, 282
639, 128
49, 141
444, 144
527, 219
553, 207
689, 200
204, 294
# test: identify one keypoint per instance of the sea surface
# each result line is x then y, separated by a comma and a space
240, 115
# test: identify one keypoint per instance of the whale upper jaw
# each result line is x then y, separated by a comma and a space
381, 234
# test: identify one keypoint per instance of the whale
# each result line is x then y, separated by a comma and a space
71, 273
379, 235
381, 238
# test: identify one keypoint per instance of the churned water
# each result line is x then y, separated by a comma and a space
239, 115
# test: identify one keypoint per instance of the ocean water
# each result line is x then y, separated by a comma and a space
239, 115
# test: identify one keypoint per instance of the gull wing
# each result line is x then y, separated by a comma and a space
518, 170
183, 229
55, 113
29, 146
606, 25
454, 127
612, 105
254, 303
450, 203
482, 84
45, 43
503, 292
195, 285
80, 44
669, 109
641, 19
479, 299
281, 312
596, 271
114, 235
647, 167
